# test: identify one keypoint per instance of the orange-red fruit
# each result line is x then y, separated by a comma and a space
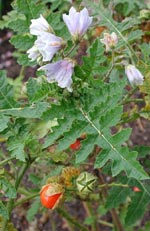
136, 189
50, 195
76, 145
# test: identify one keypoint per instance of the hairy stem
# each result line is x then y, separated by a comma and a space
26, 199
114, 185
71, 219
112, 65
10, 204
113, 212
90, 213
6, 160
71, 50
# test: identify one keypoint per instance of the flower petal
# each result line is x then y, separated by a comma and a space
39, 25
48, 44
60, 72
77, 22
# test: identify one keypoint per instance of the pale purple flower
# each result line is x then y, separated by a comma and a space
48, 44
134, 75
39, 25
33, 53
77, 22
60, 72
110, 40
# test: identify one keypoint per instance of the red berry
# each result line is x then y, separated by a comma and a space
50, 195
136, 189
76, 145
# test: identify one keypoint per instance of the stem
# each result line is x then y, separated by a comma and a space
99, 132
70, 51
71, 219
112, 65
105, 223
23, 191
22, 71
11, 202
90, 214
134, 101
26, 199
126, 97
113, 212
7, 160
114, 185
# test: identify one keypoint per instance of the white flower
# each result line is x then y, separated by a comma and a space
77, 22
110, 40
134, 75
33, 53
60, 72
39, 25
48, 44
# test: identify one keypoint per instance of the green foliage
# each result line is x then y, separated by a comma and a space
33, 210
22, 42
137, 208
39, 120
6, 92
3, 211
8, 188
127, 6
3, 122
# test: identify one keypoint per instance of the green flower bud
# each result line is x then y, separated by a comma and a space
144, 14
85, 183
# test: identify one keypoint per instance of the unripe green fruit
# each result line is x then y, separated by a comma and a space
85, 183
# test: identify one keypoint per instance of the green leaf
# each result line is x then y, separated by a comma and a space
23, 60
111, 117
118, 195
3, 211
122, 160
22, 41
93, 60
10, 18
137, 207
6, 92
20, 25
16, 147
8, 188
31, 8
33, 210
122, 136
34, 179
129, 6
37, 89
3, 122
33, 111
143, 151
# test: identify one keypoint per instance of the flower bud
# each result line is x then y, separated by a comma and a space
85, 183
51, 194
144, 14
134, 75
110, 40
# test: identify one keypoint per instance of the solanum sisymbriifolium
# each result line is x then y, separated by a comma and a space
65, 129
